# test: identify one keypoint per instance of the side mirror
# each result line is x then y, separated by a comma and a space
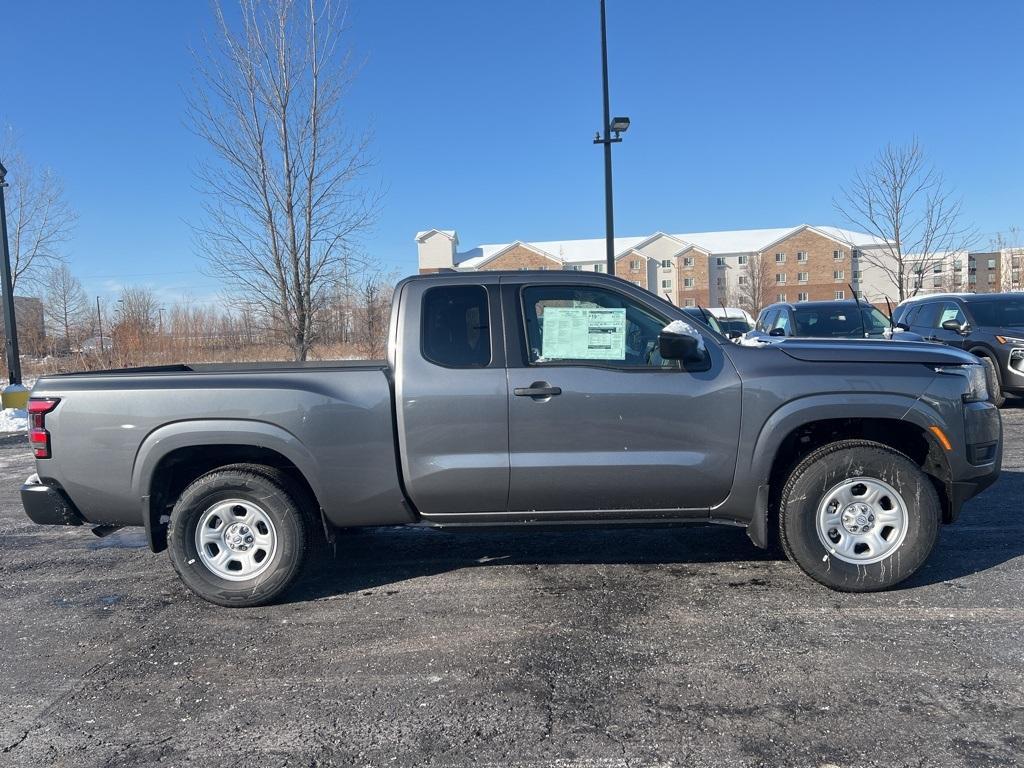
902, 326
953, 325
777, 332
733, 335
681, 344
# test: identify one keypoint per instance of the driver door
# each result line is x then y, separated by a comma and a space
597, 420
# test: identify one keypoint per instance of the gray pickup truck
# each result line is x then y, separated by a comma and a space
523, 399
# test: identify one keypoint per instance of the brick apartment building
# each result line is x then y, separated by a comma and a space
802, 263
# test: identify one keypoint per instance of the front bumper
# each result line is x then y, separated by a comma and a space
48, 505
983, 437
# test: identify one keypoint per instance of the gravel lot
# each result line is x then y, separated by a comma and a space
605, 648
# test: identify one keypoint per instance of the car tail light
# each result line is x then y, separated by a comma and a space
38, 437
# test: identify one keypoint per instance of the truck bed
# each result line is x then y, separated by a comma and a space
260, 367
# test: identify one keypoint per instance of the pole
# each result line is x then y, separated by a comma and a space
609, 219
99, 325
10, 322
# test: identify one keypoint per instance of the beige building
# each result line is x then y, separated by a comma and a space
801, 263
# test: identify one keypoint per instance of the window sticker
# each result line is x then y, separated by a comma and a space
572, 333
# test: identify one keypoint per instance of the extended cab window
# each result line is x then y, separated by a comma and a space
456, 333
577, 324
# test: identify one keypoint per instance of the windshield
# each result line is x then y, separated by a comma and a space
734, 325
999, 313
839, 322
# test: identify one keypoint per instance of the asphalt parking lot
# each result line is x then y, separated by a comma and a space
682, 646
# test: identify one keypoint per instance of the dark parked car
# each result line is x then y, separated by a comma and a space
827, 320
524, 399
989, 325
702, 315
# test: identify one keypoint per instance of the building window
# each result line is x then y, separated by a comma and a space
801, 256
802, 296
972, 279
801, 277
991, 263
780, 278
957, 265
838, 255
936, 282
780, 297
575, 268
838, 274
687, 261
856, 274
840, 294
937, 269
720, 283
991, 278
742, 260
599, 267
719, 261
634, 264
780, 258
742, 280
689, 303
666, 263
687, 282
666, 284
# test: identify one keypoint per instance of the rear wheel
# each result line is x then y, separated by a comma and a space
238, 537
858, 516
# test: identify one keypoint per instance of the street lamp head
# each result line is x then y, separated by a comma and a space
619, 124
3, 173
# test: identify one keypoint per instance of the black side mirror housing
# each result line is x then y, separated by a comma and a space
733, 335
777, 332
902, 326
680, 346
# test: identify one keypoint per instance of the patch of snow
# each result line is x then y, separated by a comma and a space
13, 420
758, 339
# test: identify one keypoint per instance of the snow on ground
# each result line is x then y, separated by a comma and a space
13, 420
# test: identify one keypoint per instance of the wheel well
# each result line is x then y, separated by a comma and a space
176, 471
907, 438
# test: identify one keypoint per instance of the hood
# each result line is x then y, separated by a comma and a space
1013, 333
873, 351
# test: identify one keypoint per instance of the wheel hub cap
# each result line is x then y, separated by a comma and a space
862, 520
236, 540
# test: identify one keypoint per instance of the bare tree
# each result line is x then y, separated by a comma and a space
374, 298
756, 283
1010, 246
905, 202
285, 204
39, 219
67, 308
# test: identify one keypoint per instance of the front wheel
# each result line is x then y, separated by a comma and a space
237, 538
858, 516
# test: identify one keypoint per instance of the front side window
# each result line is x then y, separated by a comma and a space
950, 311
577, 324
455, 326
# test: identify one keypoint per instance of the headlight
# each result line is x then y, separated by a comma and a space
1010, 340
977, 380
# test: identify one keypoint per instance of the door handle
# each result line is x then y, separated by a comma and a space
538, 390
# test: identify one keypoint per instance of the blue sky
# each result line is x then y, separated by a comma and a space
745, 114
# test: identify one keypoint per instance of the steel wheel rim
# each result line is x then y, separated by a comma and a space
862, 520
236, 540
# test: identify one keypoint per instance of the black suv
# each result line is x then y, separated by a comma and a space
824, 320
990, 325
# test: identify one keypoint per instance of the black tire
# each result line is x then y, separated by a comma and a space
272, 492
823, 470
995, 386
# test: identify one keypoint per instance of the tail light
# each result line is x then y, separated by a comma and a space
38, 437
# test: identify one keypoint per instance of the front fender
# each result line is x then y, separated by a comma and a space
748, 504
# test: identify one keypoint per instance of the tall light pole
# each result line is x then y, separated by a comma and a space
10, 323
616, 126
